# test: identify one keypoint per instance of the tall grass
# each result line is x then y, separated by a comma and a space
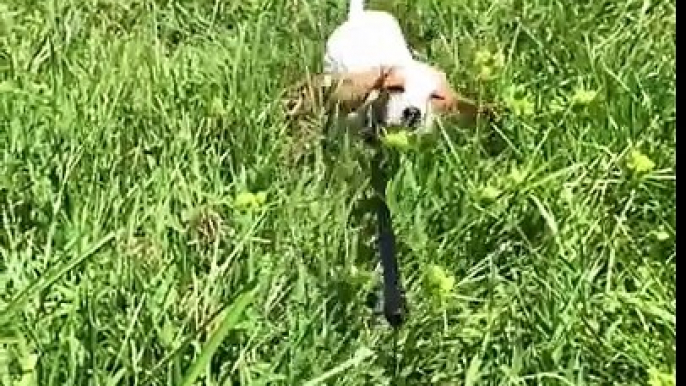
128, 128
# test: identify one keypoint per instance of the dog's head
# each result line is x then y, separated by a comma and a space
409, 96
415, 93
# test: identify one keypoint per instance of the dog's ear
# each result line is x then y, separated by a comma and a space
354, 89
444, 99
448, 102
348, 91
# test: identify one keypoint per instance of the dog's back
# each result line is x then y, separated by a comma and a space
365, 40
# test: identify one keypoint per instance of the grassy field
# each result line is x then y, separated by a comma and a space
538, 251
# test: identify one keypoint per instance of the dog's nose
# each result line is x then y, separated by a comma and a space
412, 115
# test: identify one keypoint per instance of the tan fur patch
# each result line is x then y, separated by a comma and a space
349, 91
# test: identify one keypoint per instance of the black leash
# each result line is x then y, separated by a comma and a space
393, 294
394, 304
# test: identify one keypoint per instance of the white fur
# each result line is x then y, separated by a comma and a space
369, 39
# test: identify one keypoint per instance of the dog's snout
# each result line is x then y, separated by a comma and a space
412, 115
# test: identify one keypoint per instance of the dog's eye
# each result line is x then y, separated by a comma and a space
437, 96
395, 88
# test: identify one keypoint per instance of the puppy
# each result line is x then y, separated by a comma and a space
371, 40
372, 78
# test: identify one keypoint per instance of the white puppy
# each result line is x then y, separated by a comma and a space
371, 43
374, 80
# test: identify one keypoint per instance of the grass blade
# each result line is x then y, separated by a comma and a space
360, 356
230, 318
46, 281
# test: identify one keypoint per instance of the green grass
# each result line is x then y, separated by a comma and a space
128, 128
